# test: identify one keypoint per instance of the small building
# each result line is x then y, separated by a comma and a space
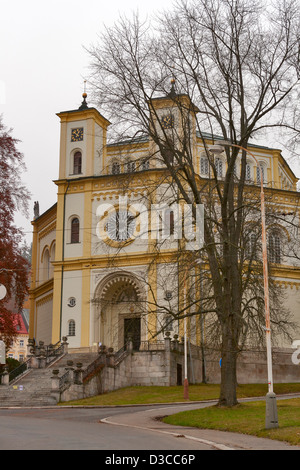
18, 349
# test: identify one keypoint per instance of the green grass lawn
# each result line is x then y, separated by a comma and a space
246, 418
147, 395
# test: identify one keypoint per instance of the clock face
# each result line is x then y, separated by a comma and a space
77, 134
167, 121
120, 226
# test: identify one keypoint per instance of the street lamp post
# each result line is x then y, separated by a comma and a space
186, 382
271, 407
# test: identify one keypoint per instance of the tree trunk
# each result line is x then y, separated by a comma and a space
228, 369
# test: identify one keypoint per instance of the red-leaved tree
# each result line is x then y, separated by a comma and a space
14, 267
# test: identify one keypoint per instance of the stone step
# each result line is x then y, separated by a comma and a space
84, 358
36, 384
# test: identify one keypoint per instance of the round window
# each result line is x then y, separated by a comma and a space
72, 302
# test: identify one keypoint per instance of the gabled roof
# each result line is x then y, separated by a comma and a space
19, 323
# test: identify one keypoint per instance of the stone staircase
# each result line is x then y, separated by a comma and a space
33, 389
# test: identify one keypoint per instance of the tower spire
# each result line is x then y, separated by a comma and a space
84, 96
172, 93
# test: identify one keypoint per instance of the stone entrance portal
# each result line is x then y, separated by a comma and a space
119, 311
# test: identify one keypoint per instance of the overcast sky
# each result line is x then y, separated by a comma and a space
42, 69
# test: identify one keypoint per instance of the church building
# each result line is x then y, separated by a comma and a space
97, 276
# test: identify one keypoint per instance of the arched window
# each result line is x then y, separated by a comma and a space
274, 247
219, 167
53, 251
169, 156
46, 265
260, 173
52, 258
248, 172
71, 328
204, 168
251, 246
168, 326
77, 163
75, 230
116, 169
130, 167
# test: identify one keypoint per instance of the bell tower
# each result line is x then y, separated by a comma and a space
82, 158
82, 142
173, 118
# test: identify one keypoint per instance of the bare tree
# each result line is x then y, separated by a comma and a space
235, 67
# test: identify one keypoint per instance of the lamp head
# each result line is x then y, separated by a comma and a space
216, 149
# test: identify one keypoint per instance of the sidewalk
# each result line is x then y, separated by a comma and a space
215, 439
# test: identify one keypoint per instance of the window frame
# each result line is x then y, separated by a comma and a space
115, 165
204, 165
77, 165
75, 235
71, 328
275, 247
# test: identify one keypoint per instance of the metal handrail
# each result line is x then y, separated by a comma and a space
63, 379
54, 349
92, 367
19, 370
121, 354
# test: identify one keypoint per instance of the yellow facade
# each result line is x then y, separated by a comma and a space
89, 281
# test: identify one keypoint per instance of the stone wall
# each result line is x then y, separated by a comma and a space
252, 367
165, 367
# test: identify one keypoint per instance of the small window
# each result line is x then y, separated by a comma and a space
77, 163
251, 246
71, 328
274, 247
169, 156
75, 230
169, 222
130, 167
204, 168
145, 165
219, 167
46, 265
260, 171
71, 302
116, 169
248, 172
168, 326
168, 295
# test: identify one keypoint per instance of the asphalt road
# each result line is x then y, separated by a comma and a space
81, 429
65, 433
115, 429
